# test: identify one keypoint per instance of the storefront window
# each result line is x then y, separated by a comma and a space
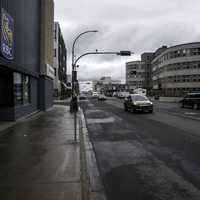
21, 89
18, 89
26, 92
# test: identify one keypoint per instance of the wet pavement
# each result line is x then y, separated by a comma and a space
145, 156
39, 159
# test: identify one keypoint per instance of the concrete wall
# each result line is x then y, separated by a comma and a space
45, 97
47, 28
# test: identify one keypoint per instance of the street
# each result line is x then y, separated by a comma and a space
145, 156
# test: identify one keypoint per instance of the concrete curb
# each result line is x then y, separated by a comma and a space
92, 187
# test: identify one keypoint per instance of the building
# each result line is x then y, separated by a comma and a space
146, 59
105, 83
135, 74
176, 70
60, 62
69, 78
46, 71
26, 78
107, 80
85, 86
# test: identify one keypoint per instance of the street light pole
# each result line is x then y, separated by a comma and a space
121, 53
74, 97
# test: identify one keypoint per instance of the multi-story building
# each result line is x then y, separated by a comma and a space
146, 59
107, 80
26, 79
107, 84
135, 74
60, 60
176, 70
46, 71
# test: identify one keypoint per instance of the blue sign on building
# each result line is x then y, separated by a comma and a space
7, 35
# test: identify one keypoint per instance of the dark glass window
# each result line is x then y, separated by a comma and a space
21, 89
26, 90
18, 86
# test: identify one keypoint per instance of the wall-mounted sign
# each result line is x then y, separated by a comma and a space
7, 35
50, 71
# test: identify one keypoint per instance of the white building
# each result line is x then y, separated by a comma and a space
176, 71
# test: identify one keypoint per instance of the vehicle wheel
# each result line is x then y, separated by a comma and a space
151, 111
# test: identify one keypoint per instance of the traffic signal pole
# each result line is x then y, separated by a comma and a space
74, 103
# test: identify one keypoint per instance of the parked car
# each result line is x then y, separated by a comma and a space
137, 102
115, 94
102, 97
122, 95
191, 100
95, 94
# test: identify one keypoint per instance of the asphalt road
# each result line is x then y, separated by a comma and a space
146, 156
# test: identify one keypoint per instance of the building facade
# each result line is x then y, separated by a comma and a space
146, 59
26, 81
135, 74
176, 71
107, 85
60, 60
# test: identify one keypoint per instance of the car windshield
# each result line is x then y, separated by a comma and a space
139, 98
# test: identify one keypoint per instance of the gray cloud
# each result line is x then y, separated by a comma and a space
139, 25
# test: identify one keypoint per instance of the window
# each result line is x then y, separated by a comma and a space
18, 89
55, 34
26, 90
54, 52
21, 89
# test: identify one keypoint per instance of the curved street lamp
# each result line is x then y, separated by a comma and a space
73, 55
120, 53
74, 98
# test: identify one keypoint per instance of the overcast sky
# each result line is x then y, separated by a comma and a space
136, 25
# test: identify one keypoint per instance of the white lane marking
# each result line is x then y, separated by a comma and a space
100, 120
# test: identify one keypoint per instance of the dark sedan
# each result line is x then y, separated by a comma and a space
191, 100
136, 102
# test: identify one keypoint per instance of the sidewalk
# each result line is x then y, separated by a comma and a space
39, 159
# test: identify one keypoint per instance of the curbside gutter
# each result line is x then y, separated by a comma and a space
92, 187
